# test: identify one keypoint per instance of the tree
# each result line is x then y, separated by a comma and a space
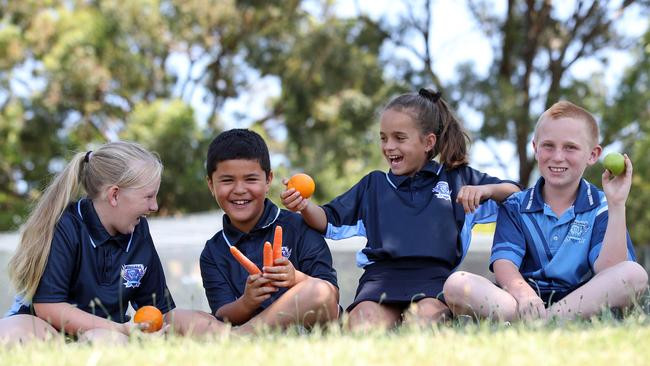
78, 73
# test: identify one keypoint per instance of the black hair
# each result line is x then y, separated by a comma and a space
433, 115
238, 143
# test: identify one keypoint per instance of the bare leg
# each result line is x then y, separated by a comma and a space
313, 301
426, 312
103, 337
369, 315
23, 328
617, 286
476, 296
194, 322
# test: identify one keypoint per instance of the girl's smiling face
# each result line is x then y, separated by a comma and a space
403, 145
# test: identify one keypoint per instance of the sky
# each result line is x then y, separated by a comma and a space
454, 35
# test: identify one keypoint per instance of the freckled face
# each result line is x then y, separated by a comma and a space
240, 187
402, 143
563, 150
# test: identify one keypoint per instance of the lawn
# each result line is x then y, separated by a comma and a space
600, 342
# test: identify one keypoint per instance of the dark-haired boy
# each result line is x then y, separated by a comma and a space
300, 288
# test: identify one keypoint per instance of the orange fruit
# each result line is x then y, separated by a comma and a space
303, 184
150, 315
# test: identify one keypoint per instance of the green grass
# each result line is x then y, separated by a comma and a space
600, 342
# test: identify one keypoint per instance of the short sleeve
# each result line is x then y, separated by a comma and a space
315, 259
54, 285
215, 283
344, 212
153, 289
509, 240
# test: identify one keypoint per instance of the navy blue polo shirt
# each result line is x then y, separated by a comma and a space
410, 217
553, 253
224, 279
100, 273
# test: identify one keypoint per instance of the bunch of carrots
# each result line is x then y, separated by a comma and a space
271, 253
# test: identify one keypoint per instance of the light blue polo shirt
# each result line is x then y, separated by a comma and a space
553, 253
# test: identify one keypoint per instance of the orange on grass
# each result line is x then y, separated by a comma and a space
303, 184
150, 315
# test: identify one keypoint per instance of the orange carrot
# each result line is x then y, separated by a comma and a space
241, 258
268, 255
277, 243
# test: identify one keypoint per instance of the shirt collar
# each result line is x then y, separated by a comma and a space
587, 198
98, 234
431, 168
233, 236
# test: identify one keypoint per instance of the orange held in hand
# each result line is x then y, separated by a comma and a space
151, 316
303, 184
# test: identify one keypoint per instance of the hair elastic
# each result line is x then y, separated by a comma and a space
430, 95
433, 97
87, 157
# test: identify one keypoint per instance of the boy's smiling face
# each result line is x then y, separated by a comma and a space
240, 187
563, 150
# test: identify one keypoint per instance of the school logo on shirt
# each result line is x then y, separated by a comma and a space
578, 230
442, 191
132, 274
286, 252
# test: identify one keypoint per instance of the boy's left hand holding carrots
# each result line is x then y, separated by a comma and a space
277, 271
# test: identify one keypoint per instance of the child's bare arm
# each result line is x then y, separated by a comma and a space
313, 214
617, 189
529, 304
471, 196
64, 316
242, 310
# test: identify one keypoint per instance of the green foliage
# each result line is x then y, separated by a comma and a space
332, 87
168, 127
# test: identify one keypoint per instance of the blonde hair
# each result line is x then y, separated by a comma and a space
565, 109
125, 164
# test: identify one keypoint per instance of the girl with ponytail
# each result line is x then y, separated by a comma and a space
417, 217
80, 262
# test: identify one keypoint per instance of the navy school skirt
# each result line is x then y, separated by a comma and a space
400, 282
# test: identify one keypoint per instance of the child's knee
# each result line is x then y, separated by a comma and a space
321, 292
456, 286
634, 276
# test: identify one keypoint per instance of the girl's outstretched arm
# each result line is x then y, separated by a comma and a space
313, 214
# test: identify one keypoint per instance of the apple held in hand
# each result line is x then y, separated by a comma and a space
615, 163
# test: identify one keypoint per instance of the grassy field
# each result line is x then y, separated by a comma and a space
601, 342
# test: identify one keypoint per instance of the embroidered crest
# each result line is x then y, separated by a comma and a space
286, 252
132, 274
442, 191
578, 230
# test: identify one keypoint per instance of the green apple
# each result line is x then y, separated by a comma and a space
615, 163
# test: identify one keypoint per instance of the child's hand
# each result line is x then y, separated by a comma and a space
282, 274
471, 196
256, 292
292, 200
617, 188
531, 307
